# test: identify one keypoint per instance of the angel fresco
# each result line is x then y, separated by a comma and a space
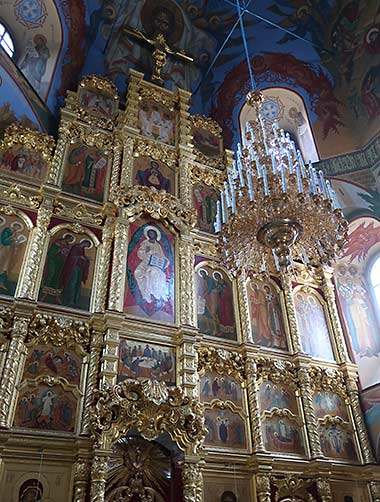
13, 238
150, 273
215, 306
67, 276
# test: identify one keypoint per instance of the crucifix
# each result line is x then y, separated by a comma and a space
160, 51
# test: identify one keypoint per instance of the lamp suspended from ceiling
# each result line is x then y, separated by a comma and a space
274, 210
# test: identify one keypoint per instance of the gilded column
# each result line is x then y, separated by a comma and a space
374, 488
92, 376
287, 287
98, 478
244, 311
109, 358
29, 282
131, 108
353, 394
254, 406
116, 163
311, 420
119, 266
192, 481
328, 289
127, 164
12, 369
263, 488
81, 479
186, 266
188, 361
55, 175
103, 266
324, 490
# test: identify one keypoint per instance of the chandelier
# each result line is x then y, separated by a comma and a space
274, 210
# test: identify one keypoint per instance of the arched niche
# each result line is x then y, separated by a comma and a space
38, 36
288, 108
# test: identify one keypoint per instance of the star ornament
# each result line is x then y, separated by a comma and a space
30, 13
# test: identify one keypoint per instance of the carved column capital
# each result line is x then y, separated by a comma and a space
192, 481
263, 488
98, 478
324, 490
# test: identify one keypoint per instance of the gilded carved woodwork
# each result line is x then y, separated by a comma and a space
192, 482
129, 405
222, 361
251, 371
187, 300
14, 194
263, 488
324, 490
81, 479
58, 330
293, 486
158, 205
287, 288
79, 212
156, 151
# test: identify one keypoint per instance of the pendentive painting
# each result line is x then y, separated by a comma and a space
69, 270
85, 171
336, 442
19, 160
206, 142
226, 428
371, 409
156, 121
150, 272
267, 323
96, 102
140, 361
222, 387
205, 199
46, 407
282, 434
153, 173
277, 396
215, 305
53, 361
312, 325
329, 403
13, 239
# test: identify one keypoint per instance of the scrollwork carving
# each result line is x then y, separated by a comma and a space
222, 361
144, 148
128, 405
192, 482
13, 193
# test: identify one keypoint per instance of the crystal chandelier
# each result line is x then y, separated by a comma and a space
274, 210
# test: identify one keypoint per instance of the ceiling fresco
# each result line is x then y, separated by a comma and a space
326, 51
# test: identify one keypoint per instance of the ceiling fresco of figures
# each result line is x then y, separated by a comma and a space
327, 51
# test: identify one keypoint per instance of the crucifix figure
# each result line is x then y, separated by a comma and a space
160, 51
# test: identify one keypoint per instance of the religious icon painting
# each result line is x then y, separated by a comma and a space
226, 429
149, 172
208, 142
139, 360
85, 171
277, 396
266, 315
150, 272
222, 387
46, 407
328, 403
97, 103
18, 160
337, 442
215, 302
312, 324
226, 488
53, 361
14, 233
69, 270
371, 408
156, 121
283, 434
346, 491
205, 199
